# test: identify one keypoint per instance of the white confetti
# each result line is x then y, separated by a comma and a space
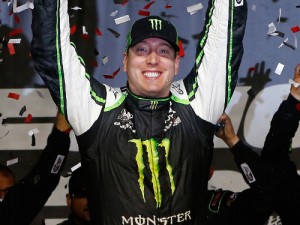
279, 68
113, 14
194, 8
12, 161
33, 131
14, 41
78, 165
76, 8
27, 5
84, 30
105, 60
122, 19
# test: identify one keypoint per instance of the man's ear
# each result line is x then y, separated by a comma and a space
125, 55
69, 200
177, 61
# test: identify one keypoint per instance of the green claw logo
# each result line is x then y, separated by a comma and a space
156, 24
151, 147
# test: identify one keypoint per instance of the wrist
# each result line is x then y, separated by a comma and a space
232, 141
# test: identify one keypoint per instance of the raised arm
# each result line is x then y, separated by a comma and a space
212, 81
24, 200
79, 97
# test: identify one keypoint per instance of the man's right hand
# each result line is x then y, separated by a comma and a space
226, 132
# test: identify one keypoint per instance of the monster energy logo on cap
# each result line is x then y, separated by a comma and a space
156, 24
152, 27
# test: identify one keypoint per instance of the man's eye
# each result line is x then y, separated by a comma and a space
164, 52
141, 50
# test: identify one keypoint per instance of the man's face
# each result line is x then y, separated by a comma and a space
151, 66
79, 209
5, 183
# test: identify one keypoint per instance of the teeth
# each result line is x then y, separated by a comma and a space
151, 74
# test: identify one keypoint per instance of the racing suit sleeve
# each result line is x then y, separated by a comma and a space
212, 80
25, 199
273, 172
78, 95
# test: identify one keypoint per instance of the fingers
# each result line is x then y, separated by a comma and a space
295, 89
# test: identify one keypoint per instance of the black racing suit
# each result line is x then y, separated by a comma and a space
25, 199
273, 177
149, 159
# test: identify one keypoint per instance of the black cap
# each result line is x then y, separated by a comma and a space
152, 26
78, 183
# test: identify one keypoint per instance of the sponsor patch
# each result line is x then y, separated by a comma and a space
238, 3
248, 173
57, 164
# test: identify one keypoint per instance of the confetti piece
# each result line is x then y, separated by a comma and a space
113, 75
27, 5
295, 84
15, 32
238, 3
17, 19
279, 17
104, 60
33, 131
13, 96
252, 69
144, 13
73, 29
96, 52
272, 29
40, 94
95, 63
22, 110
168, 6
32, 140
194, 8
14, 41
84, 30
181, 50
28, 118
85, 36
4, 121
113, 14
76, 8
149, 5
288, 45
116, 34
279, 68
295, 29
98, 32
11, 49
122, 19
12, 161
78, 165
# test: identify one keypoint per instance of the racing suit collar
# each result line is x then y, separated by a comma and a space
148, 104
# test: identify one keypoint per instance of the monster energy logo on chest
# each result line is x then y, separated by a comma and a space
156, 24
151, 147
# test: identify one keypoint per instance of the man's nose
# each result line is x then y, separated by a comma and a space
153, 58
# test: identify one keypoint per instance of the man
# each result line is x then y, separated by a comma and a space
273, 176
148, 147
22, 201
77, 199
7, 179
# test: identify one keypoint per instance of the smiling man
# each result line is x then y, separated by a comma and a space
147, 146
